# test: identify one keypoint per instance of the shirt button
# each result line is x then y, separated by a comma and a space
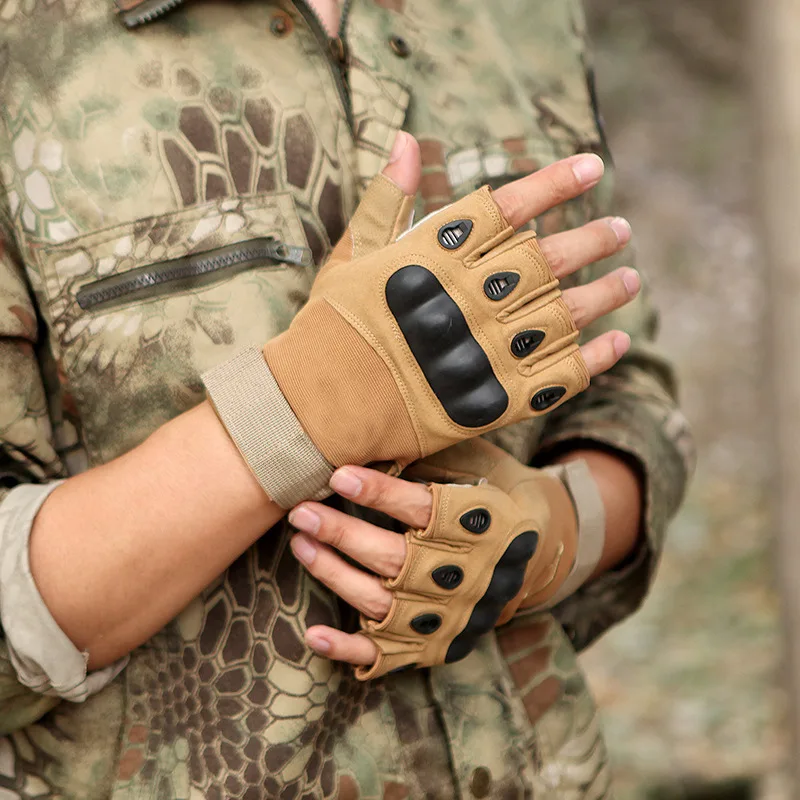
400, 46
280, 25
480, 782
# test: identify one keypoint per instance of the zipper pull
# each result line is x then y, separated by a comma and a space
290, 253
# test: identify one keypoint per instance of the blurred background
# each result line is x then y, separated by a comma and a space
691, 687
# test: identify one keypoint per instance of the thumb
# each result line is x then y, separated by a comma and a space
385, 209
404, 167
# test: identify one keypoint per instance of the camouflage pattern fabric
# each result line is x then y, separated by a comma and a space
220, 123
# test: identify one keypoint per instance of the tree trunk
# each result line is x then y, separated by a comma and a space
775, 51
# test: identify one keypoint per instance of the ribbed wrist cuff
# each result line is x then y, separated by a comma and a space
590, 511
263, 426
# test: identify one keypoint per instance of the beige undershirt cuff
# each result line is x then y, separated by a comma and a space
45, 660
591, 514
263, 426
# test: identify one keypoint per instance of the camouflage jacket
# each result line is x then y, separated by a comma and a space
210, 126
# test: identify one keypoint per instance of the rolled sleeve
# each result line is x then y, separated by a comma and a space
38, 663
44, 659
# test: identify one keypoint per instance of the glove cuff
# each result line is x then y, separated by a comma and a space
270, 438
590, 511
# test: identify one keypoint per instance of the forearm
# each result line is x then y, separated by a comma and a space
622, 494
118, 551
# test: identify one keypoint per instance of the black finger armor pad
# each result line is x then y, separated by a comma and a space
545, 398
524, 343
448, 577
454, 364
426, 623
454, 234
500, 285
507, 579
476, 520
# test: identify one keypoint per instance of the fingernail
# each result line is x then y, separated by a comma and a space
399, 146
632, 281
588, 170
622, 228
345, 483
304, 550
304, 519
622, 343
317, 643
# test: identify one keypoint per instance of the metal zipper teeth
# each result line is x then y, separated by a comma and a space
147, 12
315, 23
343, 17
89, 297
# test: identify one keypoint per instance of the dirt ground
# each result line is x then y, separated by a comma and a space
690, 687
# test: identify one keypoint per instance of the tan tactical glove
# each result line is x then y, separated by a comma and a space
408, 344
520, 536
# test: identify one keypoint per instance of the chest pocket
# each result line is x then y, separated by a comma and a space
137, 312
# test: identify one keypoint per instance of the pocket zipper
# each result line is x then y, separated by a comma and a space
145, 281
146, 11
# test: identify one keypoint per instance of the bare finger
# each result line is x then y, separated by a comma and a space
408, 502
603, 352
526, 198
354, 648
600, 297
363, 592
569, 251
375, 548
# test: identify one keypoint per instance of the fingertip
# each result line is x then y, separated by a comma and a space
317, 642
305, 551
605, 351
588, 169
405, 164
622, 343
353, 648
621, 228
632, 281
346, 483
304, 519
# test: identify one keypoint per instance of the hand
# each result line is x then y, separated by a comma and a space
474, 554
566, 252
364, 374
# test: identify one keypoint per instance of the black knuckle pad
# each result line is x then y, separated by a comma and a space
507, 579
500, 285
484, 617
476, 520
426, 624
454, 364
525, 342
448, 576
452, 235
546, 398
523, 547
